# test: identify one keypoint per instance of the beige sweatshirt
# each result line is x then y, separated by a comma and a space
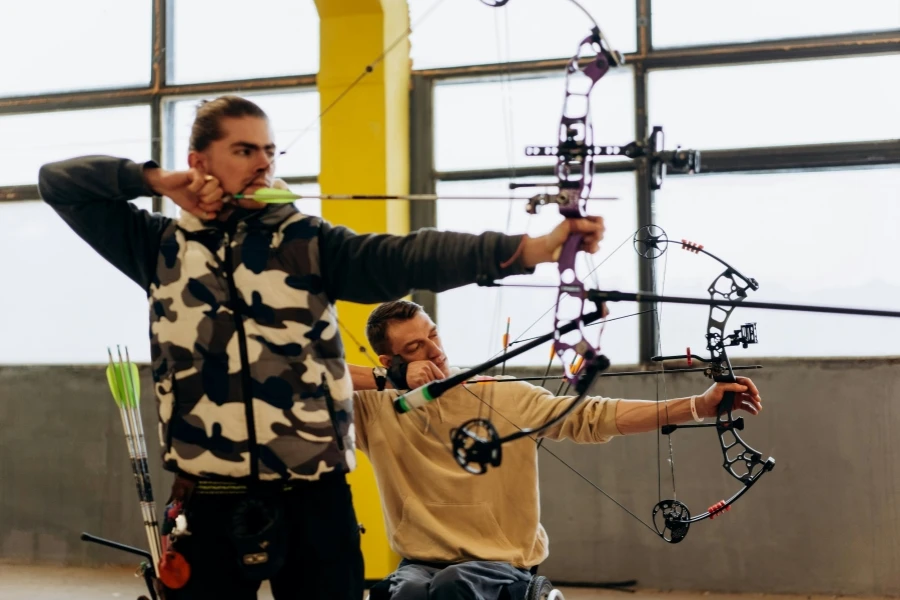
433, 509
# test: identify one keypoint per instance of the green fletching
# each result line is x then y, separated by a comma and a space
135, 385
274, 196
126, 390
116, 385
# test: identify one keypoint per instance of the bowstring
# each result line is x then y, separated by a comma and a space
662, 376
539, 445
588, 258
504, 52
546, 312
505, 81
369, 68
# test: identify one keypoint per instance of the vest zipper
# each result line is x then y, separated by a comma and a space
332, 413
246, 383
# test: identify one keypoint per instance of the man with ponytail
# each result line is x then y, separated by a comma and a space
254, 395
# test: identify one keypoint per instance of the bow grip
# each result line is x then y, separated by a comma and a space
726, 406
566, 260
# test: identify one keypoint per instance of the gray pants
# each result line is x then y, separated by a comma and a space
475, 580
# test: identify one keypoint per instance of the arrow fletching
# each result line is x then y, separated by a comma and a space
124, 382
274, 196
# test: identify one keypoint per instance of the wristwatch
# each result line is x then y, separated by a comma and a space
380, 375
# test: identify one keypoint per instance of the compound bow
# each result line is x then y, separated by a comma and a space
672, 518
476, 444
574, 170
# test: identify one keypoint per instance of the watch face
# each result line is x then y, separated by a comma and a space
380, 371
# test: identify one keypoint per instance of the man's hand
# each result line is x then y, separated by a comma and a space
197, 192
194, 191
547, 247
420, 372
746, 397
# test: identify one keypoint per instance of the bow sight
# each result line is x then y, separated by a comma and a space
661, 161
743, 337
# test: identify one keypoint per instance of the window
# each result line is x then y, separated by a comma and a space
308, 206
31, 140
452, 33
803, 102
488, 124
65, 303
44, 52
227, 40
472, 319
702, 22
80, 304
808, 238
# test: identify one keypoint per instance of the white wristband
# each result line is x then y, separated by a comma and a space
697, 417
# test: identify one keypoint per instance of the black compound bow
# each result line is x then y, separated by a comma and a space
672, 518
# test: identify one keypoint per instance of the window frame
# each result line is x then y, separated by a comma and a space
422, 172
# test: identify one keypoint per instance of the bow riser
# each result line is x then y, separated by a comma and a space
574, 172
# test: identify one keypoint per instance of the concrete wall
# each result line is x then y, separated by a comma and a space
64, 466
826, 520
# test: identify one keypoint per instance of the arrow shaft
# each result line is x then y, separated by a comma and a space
619, 374
289, 197
613, 296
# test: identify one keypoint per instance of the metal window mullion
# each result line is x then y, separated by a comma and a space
775, 50
157, 80
421, 169
647, 321
780, 50
615, 166
144, 95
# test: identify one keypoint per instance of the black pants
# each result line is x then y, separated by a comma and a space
323, 558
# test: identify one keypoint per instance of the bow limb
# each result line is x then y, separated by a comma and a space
651, 241
672, 519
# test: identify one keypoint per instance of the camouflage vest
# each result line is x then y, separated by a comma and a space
247, 361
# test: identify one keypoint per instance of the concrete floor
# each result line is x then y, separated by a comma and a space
67, 583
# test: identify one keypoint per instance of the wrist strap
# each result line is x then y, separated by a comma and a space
397, 372
515, 256
694, 414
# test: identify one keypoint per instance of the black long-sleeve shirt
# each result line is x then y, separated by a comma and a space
91, 194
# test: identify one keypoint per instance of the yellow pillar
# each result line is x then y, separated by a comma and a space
365, 150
